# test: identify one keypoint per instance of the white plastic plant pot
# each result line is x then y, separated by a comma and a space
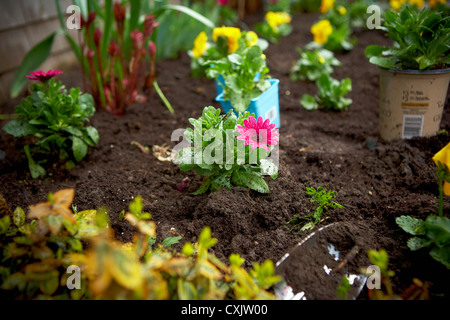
314, 268
411, 102
265, 105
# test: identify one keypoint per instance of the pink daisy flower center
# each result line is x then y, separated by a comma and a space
258, 133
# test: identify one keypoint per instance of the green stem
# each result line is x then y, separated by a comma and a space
161, 95
441, 197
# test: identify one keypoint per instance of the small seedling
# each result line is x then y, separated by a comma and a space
324, 199
330, 96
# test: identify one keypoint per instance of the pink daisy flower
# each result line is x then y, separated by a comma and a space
258, 133
43, 76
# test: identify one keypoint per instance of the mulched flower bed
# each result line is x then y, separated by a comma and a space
375, 181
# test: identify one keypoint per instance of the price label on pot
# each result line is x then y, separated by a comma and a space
414, 98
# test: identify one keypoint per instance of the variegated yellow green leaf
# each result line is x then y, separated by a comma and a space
41, 252
125, 269
14, 280
186, 290
87, 223
51, 283
208, 270
19, 217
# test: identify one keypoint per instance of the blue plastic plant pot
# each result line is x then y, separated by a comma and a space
220, 82
265, 105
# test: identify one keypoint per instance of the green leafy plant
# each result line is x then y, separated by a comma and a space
324, 199
312, 64
434, 231
34, 251
239, 70
418, 290
215, 153
420, 40
343, 288
275, 26
330, 96
218, 45
36, 255
55, 118
116, 49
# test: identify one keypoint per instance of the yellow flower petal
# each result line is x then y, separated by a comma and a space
200, 45
446, 188
231, 33
251, 38
326, 5
443, 156
321, 31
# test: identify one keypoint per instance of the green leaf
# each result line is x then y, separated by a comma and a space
14, 280
308, 102
5, 222
35, 169
136, 206
438, 230
193, 14
49, 285
19, 217
250, 180
186, 290
442, 255
383, 62
416, 243
79, 148
410, 225
34, 58
93, 134
204, 187
170, 241
19, 128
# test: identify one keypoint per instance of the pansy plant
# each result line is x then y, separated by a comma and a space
433, 232
230, 151
275, 26
223, 42
245, 76
312, 64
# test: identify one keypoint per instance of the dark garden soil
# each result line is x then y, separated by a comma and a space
375, 181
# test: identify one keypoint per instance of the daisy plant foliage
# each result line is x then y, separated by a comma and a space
55, 117
230, 151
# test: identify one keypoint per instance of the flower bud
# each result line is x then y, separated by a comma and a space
119, 12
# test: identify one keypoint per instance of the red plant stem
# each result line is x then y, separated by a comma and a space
111, 84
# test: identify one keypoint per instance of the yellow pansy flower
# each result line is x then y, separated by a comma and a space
321, 31
396, 4
418, 3
275, 19
231, 33
326, 5
200, 45
342, 10
251, 38
433, 3
443, 156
